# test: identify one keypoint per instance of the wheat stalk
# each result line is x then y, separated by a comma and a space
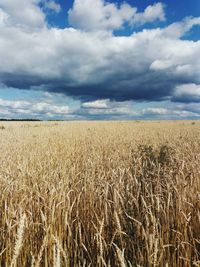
19, 240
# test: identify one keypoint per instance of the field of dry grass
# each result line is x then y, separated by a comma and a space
100, 194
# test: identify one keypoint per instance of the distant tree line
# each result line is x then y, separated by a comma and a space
20, 120
28, 120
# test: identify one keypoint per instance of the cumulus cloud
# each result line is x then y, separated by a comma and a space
105, 108
92, 15
99, 15
48, 106
128, 110
178, 29
150, 14
24, 13
187, 93
94, 65
20, 108
147, 65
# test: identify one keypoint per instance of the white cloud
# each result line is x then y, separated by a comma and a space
105, 107
24, 13
173, 112
191, 107
32, 108
115, 112
42, 107
99, 15
58, 54
93, 15
179, 29
156, 111
150, 14
161, 65
187, 92
52, 5
189, 89
98, 104
14, 104
50, 109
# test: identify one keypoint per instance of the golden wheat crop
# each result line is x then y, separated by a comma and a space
100, 194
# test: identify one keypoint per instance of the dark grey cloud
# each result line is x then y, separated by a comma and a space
146, 86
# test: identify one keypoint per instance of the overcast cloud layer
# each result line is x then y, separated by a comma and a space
89, 62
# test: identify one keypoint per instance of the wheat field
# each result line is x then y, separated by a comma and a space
100, 194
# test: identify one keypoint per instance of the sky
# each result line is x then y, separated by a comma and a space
100, 59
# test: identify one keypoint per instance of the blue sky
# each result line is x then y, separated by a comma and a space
101, 60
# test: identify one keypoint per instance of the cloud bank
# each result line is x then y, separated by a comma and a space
89, 62
26, 109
